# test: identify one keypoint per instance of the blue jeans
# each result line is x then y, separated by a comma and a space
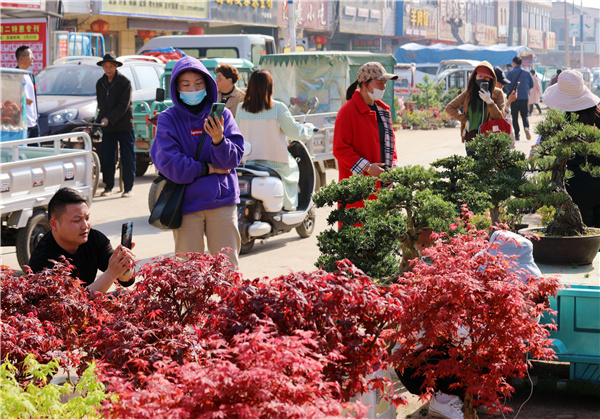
111, 141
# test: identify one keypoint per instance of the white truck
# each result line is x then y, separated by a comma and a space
30, 175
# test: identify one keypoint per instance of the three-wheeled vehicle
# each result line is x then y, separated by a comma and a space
326, 75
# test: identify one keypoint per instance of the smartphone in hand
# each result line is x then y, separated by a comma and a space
127, 234
485, 86
217, 110
517, 86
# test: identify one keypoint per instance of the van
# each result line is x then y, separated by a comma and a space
405, 84
249, 47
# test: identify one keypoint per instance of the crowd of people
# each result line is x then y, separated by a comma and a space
202, 152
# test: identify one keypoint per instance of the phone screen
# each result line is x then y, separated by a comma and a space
485, 86
217, 110
127, 234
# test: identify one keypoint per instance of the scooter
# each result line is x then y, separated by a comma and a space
260, 211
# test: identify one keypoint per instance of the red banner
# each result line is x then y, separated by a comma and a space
30, 32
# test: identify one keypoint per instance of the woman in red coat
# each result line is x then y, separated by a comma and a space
363, 139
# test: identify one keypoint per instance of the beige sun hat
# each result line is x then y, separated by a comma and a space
374, 71
569, 94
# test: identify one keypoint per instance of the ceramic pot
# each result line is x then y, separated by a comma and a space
575, 250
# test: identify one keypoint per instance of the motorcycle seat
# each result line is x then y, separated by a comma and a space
259, 168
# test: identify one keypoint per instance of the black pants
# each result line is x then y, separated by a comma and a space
110, 145
538, 108
519, 106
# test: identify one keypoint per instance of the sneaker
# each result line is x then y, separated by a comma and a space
127, 194
527, 134
106, 192
450, 410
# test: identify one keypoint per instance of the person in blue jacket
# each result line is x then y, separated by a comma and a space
521, 105
212, 192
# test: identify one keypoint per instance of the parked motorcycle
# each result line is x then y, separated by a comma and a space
260, 212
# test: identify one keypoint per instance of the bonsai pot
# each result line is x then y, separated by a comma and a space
571, 250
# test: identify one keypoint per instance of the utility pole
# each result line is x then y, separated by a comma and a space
567, 60
581, 36
291, 9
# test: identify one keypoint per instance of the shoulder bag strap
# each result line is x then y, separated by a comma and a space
200, 145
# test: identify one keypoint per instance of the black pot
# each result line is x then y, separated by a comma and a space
574, 250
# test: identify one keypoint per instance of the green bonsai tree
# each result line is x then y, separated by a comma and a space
374, 237
563, 139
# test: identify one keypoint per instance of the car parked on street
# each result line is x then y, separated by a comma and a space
66, 93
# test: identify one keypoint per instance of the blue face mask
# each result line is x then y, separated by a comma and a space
192, 98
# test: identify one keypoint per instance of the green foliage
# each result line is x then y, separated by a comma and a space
373, 237
547, 214
456, 182
430, 93
564, 140
500, 171
40, 400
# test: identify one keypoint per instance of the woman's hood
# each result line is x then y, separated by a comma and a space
490, 67
190, 63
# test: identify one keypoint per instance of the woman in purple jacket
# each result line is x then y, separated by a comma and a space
209, 205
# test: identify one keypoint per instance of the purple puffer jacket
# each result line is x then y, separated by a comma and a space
177, 136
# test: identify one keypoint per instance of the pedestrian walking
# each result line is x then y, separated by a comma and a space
535, 94
25, 59
115, 113
554, 78
522, 81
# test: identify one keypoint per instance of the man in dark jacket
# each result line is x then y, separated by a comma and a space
523, 79
115, 113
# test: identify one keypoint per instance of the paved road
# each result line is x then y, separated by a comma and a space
276, 256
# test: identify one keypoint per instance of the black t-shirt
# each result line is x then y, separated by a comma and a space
90, 256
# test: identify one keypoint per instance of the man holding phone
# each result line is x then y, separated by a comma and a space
522, 82
87, 249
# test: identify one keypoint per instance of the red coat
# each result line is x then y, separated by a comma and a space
356, 135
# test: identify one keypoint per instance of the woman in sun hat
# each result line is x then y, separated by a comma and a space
363, 139
571, 95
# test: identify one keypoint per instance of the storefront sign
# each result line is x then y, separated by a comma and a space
164, 9
362, 17
534, 39
366, 45
22, 4
310, 14
549, 41
30, 32
257, 12
452, 21
420, 21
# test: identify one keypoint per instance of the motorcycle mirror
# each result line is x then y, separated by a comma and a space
160, 94
247, 148
313, 102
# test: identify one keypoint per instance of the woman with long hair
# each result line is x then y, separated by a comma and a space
477, 104
268, 126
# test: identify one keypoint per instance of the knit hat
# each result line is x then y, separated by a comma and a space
569, 94
484, 71
374, 71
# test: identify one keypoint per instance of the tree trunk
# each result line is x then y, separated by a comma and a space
568, 221
495, 214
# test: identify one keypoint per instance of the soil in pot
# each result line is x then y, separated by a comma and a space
553, 250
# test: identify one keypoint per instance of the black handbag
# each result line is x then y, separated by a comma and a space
166, 213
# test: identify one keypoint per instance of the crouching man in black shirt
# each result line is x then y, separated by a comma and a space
88, 250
